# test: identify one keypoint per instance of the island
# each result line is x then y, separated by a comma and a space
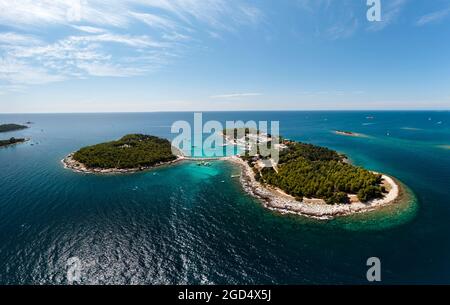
306, 179
313, 181
131, 153
11, 127
348, 133
11, 141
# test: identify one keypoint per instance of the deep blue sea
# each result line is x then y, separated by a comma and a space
188, 224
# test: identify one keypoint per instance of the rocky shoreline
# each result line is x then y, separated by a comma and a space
276, 200
70, 163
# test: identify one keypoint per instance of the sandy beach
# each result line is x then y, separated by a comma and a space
275, 199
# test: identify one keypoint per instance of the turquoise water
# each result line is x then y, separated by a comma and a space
193, 224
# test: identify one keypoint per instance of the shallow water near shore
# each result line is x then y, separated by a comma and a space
194, 224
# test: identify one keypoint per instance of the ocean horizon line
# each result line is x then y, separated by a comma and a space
231, 111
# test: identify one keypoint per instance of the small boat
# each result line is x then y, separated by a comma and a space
203, 163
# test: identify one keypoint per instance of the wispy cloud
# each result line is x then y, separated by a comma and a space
19, 72
235, 95
391, 11
341, 19
10, 38
155, 21
106, 38
89, 29
332, 19
339, 31
433, 17
331, 93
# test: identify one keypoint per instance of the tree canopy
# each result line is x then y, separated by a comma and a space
310, 171
11, 127
11, 141
131, 151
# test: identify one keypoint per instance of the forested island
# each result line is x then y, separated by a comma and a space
310, 171
311, 181
134, 152
11, 127
306, 179
11, 141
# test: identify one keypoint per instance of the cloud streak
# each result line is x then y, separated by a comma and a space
235, 95
105, 38
433, 17
391, 11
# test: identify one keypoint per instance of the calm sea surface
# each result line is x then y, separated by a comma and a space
188, 224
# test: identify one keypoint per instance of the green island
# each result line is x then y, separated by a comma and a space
310, 180
11, 141
306, 170
130, 153
309, 171
306, 179
11, 127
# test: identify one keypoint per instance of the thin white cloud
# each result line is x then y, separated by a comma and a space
391, 11
10, 38
433, 17
89, 29
18, 72
175, 36
234, 95
217, 13
155, 21
103, 69
340, 19
111, 37
342, 31
133, 41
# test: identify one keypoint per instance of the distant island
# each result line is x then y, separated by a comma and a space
8, 128
132, 153
11, 127
348, 133
11, 141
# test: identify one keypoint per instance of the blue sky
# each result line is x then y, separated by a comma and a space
183, 55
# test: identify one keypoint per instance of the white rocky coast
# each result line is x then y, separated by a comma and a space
275, 199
